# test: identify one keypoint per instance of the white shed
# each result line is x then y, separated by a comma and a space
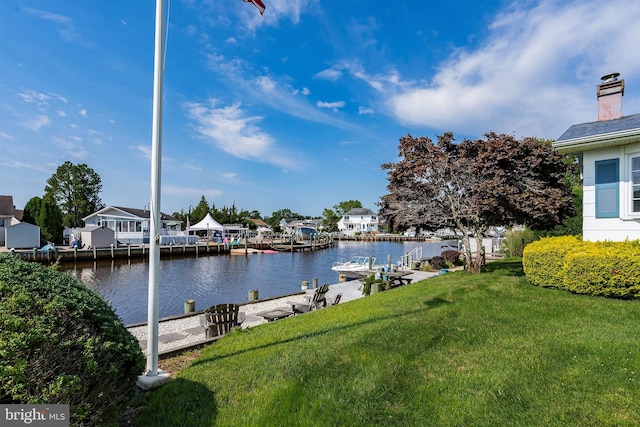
94, 236
22, 235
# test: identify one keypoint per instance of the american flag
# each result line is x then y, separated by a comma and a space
258, 3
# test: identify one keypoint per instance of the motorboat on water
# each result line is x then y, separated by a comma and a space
356, 267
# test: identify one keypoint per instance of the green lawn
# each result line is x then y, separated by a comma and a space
458, 349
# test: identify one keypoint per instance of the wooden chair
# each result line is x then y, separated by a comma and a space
314, 302
219, 319
336, 300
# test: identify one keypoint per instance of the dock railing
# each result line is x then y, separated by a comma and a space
414, 255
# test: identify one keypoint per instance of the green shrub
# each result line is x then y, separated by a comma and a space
515, 241
543, 260
604, 269
61, 343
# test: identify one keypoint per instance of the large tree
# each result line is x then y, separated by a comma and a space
75, 189
472, 185
31, 211
50, 220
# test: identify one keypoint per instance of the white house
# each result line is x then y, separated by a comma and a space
609, 153
131, 226
358, 220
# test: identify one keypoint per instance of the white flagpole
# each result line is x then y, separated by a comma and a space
154, 377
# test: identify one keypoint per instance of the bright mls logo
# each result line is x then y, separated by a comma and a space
37, 415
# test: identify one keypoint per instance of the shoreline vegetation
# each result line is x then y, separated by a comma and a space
456, 349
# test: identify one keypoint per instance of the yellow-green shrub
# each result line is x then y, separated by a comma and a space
604, 269
543, 261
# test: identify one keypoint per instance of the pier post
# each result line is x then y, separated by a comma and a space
129, 250
112, 251
315, 283
189, 306
95, 255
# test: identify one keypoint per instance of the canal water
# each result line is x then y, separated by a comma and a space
211, 280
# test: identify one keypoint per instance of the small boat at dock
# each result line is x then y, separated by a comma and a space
353, 269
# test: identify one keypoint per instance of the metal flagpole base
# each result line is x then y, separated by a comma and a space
147, 382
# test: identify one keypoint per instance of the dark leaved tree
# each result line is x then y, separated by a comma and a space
472, 185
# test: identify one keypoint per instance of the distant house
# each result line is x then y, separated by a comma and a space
359, 220
302, 228
131, 226
9, 216
609, 153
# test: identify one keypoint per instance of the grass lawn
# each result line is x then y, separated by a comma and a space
458, 349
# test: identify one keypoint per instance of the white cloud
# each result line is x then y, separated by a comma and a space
230, 176
535, 74
333, 105
21, 165
144, 149
6, 136
231, 130
64, 24
83, 113
35, 123
61, 113
365, 110
331, 74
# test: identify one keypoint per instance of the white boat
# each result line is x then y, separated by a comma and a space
353, 269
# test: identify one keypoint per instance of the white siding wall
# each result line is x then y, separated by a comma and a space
613, 229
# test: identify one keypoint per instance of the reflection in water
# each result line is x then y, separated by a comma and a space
216, 279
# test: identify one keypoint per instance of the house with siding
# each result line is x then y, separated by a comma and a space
609, 153
9, 216
358, 220
131, 226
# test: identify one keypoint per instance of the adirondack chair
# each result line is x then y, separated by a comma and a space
219, 319
336, 300
314, 302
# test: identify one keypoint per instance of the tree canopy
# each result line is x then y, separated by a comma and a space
31, 211
76, 191
472, 185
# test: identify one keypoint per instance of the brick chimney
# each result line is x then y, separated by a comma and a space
610, 93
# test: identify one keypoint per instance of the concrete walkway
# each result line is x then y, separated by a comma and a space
181, 332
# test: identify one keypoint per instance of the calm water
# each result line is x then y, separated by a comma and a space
212, 280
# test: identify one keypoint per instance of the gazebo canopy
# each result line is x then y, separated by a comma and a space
208, 223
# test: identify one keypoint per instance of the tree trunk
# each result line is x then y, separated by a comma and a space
474, 261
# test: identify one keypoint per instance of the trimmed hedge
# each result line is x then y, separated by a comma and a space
604, 269
609, 269
543, 260
60, 342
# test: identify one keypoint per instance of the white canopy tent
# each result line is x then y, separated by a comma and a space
208, 223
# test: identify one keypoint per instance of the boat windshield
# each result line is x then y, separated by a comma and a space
362, 260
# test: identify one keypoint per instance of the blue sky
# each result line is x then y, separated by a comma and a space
296, 109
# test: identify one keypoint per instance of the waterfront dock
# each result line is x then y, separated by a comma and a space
65, 254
